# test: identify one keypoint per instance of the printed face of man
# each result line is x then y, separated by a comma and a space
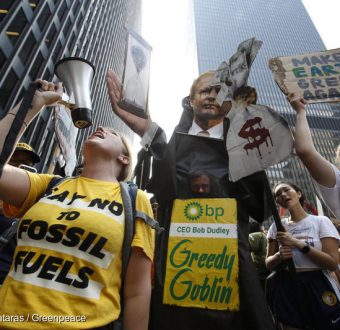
200, 184
204, 101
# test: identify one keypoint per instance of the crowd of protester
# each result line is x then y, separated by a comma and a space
66, 257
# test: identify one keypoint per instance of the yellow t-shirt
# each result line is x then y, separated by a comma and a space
66, 270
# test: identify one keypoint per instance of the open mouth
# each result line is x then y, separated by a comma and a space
98, 135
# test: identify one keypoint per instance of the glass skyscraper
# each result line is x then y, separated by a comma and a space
35, 34
286, 29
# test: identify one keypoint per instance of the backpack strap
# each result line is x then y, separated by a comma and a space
149, 221
129, 193
138, 214
129, 200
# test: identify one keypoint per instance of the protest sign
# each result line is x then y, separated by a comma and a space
313, 76
234, 74
202, 262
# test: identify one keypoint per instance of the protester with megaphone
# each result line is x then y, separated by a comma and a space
66, 270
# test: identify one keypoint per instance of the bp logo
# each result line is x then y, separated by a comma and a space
193, 211
329, 298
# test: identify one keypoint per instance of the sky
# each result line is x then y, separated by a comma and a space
169, 29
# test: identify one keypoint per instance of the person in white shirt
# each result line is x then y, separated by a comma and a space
312, 241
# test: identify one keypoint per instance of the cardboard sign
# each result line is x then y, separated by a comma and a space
136, 75
314, 76
202, 261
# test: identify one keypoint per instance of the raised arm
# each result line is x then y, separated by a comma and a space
319, 167
139, 125
14, 182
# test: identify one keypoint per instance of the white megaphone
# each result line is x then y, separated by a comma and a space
76, 75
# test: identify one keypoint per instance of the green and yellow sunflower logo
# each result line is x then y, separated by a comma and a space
329, 298
193, 211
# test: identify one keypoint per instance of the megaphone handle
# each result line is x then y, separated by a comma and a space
16, 128
67, 101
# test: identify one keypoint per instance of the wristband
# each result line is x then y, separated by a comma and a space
305, 249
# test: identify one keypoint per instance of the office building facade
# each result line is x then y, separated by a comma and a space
35, 34
285, 29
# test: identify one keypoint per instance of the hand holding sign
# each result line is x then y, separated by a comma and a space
298, 103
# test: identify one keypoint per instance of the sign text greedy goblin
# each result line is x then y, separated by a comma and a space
202, 261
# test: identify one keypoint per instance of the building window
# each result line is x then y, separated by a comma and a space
52, 33
40, 130
76, 6
3, 58
62, 11
37, 66
87, 3
27, 48
72, 42
7, 88
47, 75
57, 52
44, 17
80, 21
67, 27
16, 27
34, 4
4, 8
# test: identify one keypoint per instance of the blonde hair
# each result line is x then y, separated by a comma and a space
126, 171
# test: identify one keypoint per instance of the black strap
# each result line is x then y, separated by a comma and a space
129, 193
129, 200
149, 221
18, 121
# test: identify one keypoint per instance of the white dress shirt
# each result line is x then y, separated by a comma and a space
214, 132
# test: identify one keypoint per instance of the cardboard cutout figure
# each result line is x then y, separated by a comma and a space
197, 295
204, 276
